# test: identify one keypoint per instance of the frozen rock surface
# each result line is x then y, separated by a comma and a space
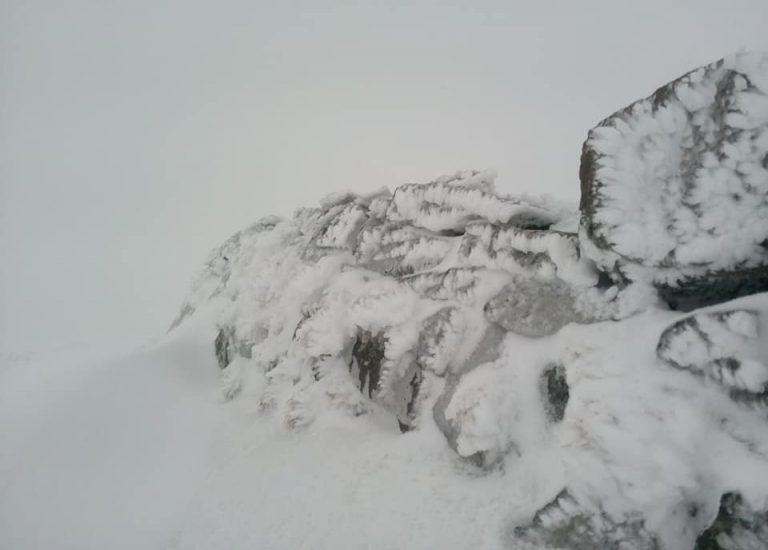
533, 355
535, 308
564, 524
675, 186
736, 527
503, 341
398, 290
725, 346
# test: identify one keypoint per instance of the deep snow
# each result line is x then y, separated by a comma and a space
139, 450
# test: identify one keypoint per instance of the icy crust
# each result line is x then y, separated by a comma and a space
677, 183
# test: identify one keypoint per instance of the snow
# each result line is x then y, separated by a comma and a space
140, 451
102, 452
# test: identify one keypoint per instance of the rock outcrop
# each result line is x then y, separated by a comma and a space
526, 339
674, 187
401, 287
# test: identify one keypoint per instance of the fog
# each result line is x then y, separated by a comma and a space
135, 136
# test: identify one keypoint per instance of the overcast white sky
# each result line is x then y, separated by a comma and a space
136, 135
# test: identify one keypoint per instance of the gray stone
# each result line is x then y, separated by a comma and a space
534, 307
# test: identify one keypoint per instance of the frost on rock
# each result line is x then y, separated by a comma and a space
386, 293
675, 186
736, 527
530, 356
565, 524
727, 346
535, 308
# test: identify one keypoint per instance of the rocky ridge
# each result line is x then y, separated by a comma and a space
520, 327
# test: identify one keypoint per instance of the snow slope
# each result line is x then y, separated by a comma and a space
140, 451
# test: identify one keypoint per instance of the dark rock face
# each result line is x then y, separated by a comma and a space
229, 345
564, 524
736, 527
715, 288
674, 187
368, 356
396, 386
225, 346
554, 389
723, 346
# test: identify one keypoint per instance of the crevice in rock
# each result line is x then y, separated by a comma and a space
555, 393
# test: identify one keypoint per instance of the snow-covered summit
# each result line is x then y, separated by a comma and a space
492, 328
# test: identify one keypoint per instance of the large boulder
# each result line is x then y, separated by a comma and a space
674, 188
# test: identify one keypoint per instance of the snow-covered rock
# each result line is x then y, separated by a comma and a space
728, 346
535, 308
564, 524
483, 324
675, 186
398, 289
504, 342
736, 527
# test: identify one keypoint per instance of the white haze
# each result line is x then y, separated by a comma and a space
135, 136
